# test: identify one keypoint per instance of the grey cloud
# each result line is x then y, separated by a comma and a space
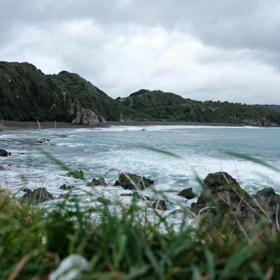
214, 49
246, 24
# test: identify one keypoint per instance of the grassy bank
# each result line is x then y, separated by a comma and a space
127, 245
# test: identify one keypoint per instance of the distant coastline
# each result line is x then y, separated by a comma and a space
18, 125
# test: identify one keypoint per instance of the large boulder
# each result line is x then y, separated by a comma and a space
223, 195
88, 117
4, 153
133, 181
36, 196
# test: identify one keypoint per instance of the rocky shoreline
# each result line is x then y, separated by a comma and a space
221, 196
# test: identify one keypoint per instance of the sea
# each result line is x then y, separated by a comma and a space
174, 156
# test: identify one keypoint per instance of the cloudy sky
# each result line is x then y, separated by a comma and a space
201, 49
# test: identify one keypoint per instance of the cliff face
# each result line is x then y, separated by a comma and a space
157, 105
28, 94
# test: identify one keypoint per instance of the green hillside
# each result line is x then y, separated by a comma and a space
158, 105
28, 94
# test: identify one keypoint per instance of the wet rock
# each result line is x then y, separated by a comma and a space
65, 187
223, 195
97, 182
214, 180
270, 202
42, 141
36, 196
136, 195
159, 204
2, 168
4, 153
133, 181
187, 193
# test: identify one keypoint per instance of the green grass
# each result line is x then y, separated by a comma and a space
126, 245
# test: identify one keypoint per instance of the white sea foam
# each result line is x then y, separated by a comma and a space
100, 149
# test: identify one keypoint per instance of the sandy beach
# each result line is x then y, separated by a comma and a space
15, 125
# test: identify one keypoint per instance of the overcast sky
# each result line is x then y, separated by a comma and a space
201, 49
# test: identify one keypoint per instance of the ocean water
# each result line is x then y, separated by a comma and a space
200, 150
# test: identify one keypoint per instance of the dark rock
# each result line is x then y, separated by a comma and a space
26, 190
36, 196
2, 168
42, 141
270, 202
219, 179
65, 187
132, 181
4, 153
136, 195
97, 182
223, 195
187, 193
159, 204
268, 193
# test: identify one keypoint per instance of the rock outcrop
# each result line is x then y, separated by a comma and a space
133, 181
88, 117
223, 196
187, 193
36, 196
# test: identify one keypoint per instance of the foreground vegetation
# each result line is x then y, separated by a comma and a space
126, 245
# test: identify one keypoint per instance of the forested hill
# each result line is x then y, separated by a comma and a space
158, 105
27, 94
